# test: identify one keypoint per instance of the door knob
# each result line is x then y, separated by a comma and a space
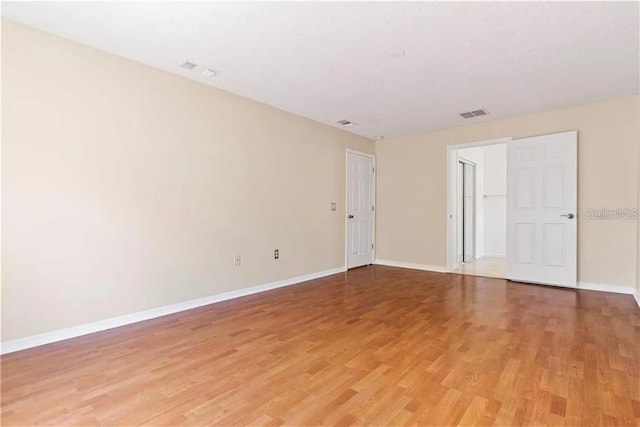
350, 216
570, 216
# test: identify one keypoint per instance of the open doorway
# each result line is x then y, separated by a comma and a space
478, 209
467, 212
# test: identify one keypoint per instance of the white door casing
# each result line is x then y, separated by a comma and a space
469, 212
460, 213
453, 238
542, 209
360, 209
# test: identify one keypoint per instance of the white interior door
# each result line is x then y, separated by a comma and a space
541, 209
359, 210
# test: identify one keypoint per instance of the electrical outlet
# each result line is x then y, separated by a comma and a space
237, 261
276, 254
333, 206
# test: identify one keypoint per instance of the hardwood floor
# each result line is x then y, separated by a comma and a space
376, 346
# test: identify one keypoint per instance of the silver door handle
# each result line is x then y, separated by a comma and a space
569, 215
350, 216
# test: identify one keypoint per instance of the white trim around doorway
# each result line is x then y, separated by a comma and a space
451, 192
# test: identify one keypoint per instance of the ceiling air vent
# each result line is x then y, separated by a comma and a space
345, 123
188, 65
209, 72
474, 113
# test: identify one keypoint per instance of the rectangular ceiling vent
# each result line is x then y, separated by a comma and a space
345, 123
474, 113
188, 65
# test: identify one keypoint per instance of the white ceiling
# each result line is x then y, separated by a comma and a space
332, 61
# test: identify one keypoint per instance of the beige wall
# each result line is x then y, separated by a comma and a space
127, 188
411, 222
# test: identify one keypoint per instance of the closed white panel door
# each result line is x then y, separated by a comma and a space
542, 204
359, 210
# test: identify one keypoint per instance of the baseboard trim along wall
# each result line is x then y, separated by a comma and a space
425, 267
616, 289
127, 319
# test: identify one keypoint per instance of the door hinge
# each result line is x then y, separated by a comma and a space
373, 170
373, 208
372, 246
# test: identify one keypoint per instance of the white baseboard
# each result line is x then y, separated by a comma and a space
425, 267
636, 296
114, 322
616, 289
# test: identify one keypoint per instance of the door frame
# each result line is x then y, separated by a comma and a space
452, 211
346, 201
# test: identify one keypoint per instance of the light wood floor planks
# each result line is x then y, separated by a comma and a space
375, 346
